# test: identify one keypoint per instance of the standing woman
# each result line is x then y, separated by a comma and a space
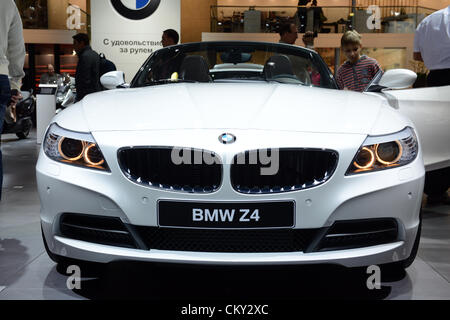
12, 57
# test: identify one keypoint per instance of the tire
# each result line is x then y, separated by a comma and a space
437, 182
24, 134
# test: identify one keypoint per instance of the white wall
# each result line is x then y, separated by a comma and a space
128, 43
434, 4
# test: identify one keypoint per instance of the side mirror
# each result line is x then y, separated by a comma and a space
398, 79
113, 79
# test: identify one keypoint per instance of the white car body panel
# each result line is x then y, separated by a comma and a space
204, 106
429, 110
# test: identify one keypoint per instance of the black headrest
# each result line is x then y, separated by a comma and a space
278, 65
195, 68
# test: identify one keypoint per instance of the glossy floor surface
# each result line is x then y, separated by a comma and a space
26, 272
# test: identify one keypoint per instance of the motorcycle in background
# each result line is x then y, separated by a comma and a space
65, 95
24, 110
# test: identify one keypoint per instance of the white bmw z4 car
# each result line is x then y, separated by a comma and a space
233, 153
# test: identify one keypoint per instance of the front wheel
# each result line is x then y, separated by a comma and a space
24, 134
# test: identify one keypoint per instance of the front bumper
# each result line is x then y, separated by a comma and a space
350, 258
394, 193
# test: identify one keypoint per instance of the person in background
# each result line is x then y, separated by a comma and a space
50, 77
357, 72
87, 77
432, 46
302, 12
106, 65
319, 17
288, 35
12, 57
169, 38
168, 64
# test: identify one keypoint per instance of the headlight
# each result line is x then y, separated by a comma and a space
75, 148
384, 152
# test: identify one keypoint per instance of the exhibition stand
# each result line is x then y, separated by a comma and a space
45, 108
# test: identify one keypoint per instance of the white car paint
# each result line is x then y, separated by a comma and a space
258, 106
261, 115
113, 119
398, 78
429, 110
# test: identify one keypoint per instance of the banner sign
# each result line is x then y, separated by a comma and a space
128, 31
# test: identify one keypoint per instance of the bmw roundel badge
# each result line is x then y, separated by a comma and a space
227, 138
136, 9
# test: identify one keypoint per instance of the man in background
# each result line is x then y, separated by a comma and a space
304, 72
319, 17
50, 77
170, 38
302, 12
106, 65
12, 57
432, 46
169, 64
288, 35
87, 77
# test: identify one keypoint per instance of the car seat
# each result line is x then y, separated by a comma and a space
195, 68
278, 66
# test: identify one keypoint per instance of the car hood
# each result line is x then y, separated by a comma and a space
258, 106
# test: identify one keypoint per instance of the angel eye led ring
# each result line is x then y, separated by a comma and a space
70, 157
88, 159
370, 163
396, 159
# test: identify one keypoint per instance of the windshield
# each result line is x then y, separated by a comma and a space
217, 62
373, 85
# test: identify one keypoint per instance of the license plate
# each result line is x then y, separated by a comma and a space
226, 215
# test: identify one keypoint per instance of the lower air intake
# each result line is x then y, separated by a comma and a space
359, 233
96, 229
207, 240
